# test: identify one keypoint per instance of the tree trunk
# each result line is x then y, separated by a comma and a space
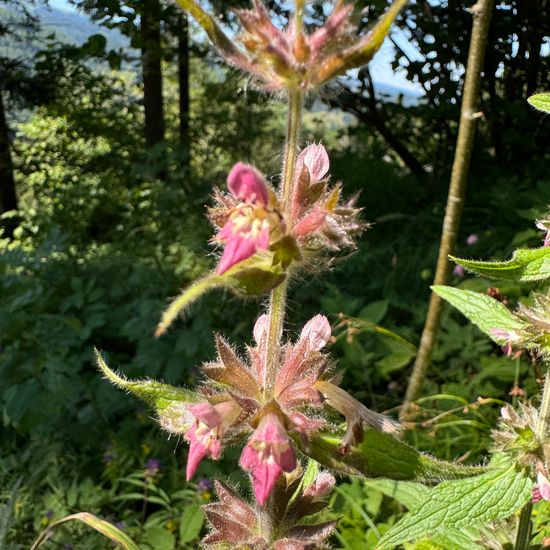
151, 56
183, 83
8, 198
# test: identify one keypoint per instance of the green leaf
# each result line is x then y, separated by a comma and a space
191, 523
100, 525
527, 265
169, 402
408, 493
484, 311
540, 101
463, 504
381, 455
160, 538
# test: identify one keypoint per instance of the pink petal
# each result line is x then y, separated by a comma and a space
197, 451
315, 158
543, 486
317, 331
261, 328
249, 458
237, 249
248, 184
264, 478
206, 413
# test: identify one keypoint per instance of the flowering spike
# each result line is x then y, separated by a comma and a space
267, 455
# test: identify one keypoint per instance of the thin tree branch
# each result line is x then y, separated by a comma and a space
481, 11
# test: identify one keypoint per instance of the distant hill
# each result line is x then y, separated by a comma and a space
76, 28
69, 27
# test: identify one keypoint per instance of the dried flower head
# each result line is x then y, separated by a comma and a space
288, 58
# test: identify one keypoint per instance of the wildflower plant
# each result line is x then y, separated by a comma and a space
280, 403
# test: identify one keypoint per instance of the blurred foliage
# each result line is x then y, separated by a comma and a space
109, 230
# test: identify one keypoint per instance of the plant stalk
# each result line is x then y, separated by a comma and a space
277, 302
481, 11
524, 528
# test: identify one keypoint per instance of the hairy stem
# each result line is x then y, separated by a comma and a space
277, 303
482, 15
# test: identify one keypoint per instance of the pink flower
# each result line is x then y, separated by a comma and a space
322, 486
206, 433
317, 331
248, 184
315, 159
472, 239
267, 455
541, 490
247, 229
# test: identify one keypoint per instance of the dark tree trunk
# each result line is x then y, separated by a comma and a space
151, 56
8, 198
183, 82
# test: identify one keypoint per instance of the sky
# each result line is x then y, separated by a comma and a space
380, 66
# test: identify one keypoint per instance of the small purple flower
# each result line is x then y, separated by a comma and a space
472, 239
152, 467
459, 271
205, 486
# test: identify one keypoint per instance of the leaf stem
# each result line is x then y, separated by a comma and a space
481, 11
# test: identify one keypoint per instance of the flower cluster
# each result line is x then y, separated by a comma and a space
249, 218
533, 332
519, 438
238, 525
241, 398
286, 59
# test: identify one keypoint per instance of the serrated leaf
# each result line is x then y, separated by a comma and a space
381, 455
527, 265
463, 504
484, 311
104, 527
540, 101
408, 493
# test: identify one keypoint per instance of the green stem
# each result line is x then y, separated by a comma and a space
277, 303
465, 143
524, 528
